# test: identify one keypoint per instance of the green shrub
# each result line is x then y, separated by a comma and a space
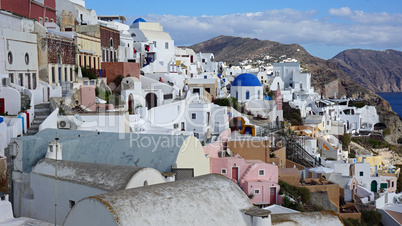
351, 222
295, 192
371, 217
292, 205
88, 73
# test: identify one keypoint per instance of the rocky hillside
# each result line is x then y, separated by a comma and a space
327, 76
380, 71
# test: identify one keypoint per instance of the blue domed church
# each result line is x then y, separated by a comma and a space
246, 87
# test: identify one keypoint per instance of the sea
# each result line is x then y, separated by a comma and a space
395, 99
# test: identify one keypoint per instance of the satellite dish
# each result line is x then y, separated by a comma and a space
230, 153
77, 120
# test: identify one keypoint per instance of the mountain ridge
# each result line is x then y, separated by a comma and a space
327, 76
378, 70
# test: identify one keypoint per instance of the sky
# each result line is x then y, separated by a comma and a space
323, 27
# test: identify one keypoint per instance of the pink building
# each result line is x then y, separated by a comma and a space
259, 180
88, 99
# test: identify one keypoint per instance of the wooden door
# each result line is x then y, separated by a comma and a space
2, 109
272, 195
235, 173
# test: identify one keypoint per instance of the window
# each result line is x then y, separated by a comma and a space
71, 74
111, 42
103, 55
361, 173
52, 20
384, 185
72, 203
21, 79
183, 126
261, 172
247, 95
205, 77
193, 116
11, 76
65, 74
223, 171
392, 184
166, 45
34, 80
196, 90
40, 20
154, 44
10, 57
46, 19
53, 75
145, 183
256, 191
26, 58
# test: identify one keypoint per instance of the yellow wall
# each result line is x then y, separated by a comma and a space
374, 161
88, 43
192, 155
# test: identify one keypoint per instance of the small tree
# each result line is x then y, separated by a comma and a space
346, 140
117, 80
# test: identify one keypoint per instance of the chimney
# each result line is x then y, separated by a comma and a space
54, 150
257, 216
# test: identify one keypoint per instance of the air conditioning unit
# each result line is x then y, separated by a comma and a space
64, 124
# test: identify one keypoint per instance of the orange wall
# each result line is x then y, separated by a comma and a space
331, 189
113, 69
250, 149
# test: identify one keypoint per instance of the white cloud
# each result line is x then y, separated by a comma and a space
356, 29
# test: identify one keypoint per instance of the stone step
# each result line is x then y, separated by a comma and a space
34, 127
42, 106
42, 110
40, 117
42, 113
37, 122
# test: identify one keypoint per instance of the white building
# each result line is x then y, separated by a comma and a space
82, 15
246, 87
19, 58
65, 183
153, 46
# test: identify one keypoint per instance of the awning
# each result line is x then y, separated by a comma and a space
86, 51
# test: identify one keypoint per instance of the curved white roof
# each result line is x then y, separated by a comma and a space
206, 200
102, 176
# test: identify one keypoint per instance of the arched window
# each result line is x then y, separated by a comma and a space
145, 183
111, 42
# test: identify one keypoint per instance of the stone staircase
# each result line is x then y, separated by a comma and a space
42, 111
248, 171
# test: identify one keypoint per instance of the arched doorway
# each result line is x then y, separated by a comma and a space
374, 186
151, 100
131, 109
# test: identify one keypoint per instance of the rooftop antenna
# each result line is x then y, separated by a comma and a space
55, 184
